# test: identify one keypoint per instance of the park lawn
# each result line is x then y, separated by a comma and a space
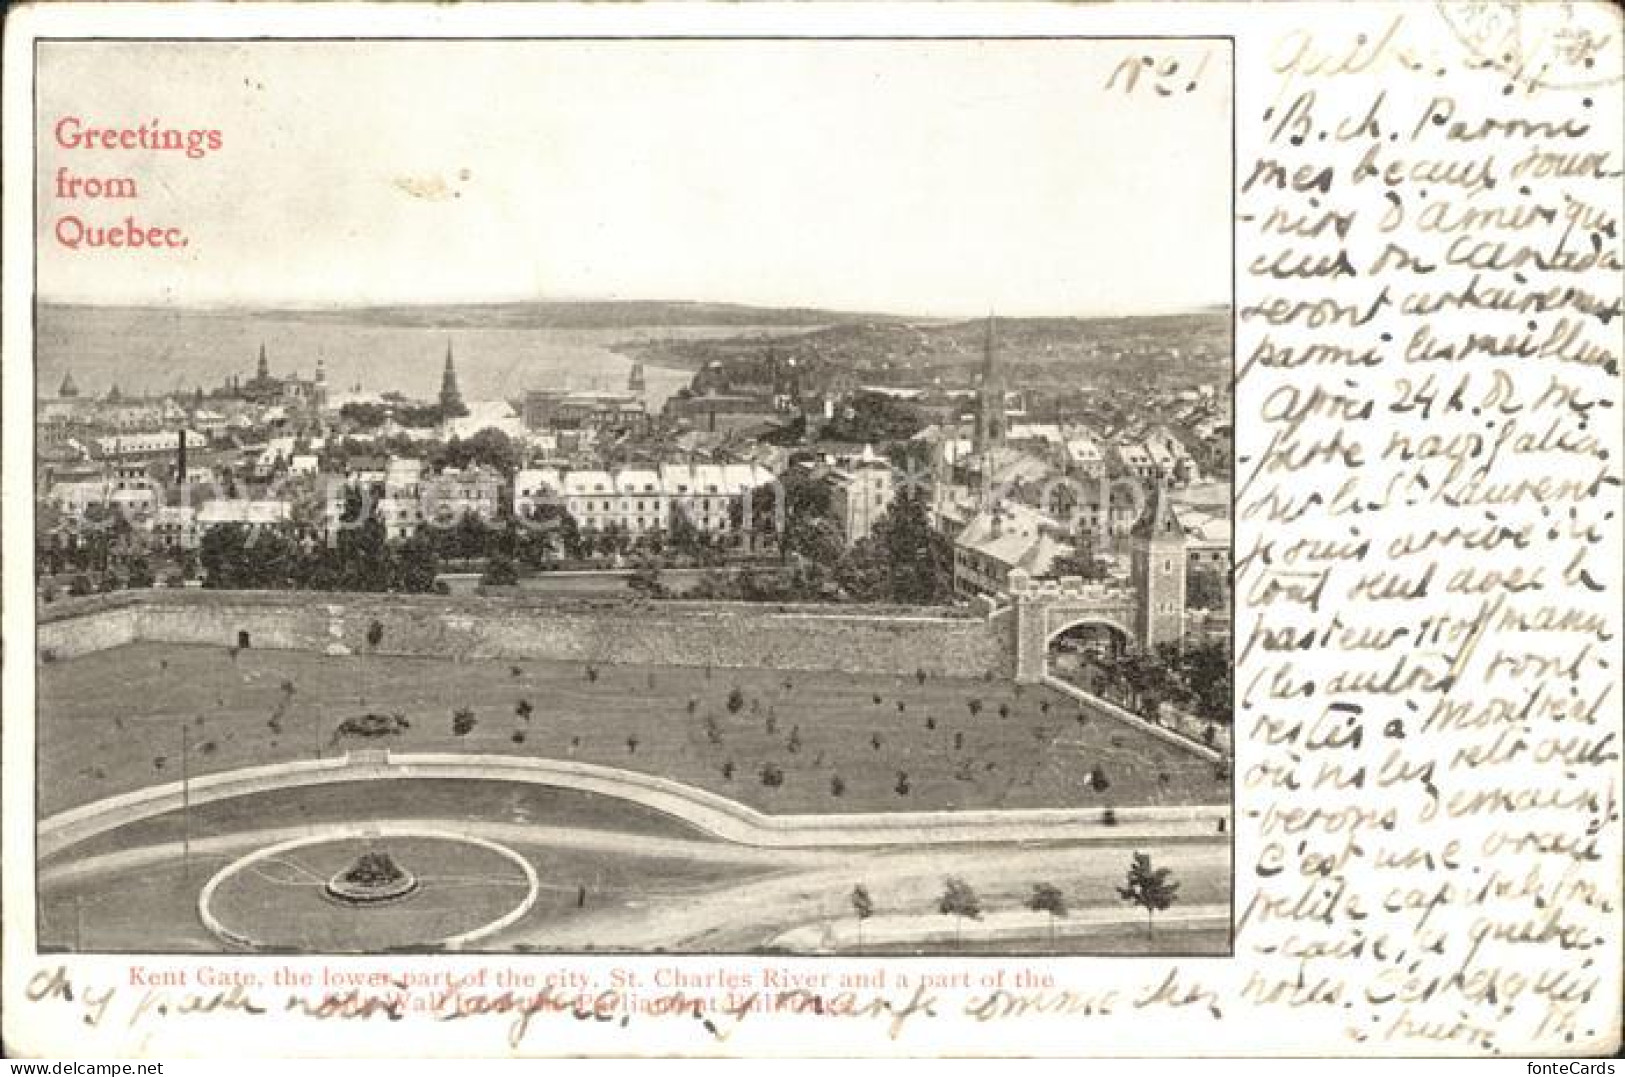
112, 721
153, 909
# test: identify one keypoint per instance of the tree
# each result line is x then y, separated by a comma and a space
863, 907
140, 573
416, 565
960, 901
874, 417
462, 721
500, 571
1206, 589
917, 571
645, 580
685, 538
548, 532
1148, 887
1047, 897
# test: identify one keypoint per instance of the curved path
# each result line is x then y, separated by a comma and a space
710, 813
802, 890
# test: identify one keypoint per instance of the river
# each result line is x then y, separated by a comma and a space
144, 350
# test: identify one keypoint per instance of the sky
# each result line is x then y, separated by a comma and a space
944, 178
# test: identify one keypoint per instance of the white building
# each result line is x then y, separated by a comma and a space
860, 492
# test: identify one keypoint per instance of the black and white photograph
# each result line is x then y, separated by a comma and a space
637, 496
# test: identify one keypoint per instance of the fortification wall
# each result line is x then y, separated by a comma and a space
897, 640
95, 629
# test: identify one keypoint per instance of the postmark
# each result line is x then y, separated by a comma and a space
1561, 45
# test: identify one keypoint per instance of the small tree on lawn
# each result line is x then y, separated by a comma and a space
960, 901
1148, 887
736, 700
462, 721
1047, 897
863, 907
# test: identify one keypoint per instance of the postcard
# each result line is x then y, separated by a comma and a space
765, 530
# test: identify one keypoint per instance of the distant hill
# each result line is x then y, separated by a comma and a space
916, 352
541, 314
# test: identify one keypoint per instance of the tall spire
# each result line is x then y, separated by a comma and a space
451, 397
68, 390
1159, 522
989, 397
262, 372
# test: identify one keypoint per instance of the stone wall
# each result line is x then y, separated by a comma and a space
96, 628
741, 635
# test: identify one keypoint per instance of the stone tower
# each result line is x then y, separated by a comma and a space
451, 398
318, 390
1157, 566
635, 382
989, 431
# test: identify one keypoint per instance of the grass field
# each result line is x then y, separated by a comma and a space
113, 721
153, 907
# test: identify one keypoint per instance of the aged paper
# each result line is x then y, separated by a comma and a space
813, 530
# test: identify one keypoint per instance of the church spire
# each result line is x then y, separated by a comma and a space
451, 397
68, 389
989, 397
262, 371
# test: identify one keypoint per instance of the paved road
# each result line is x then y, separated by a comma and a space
802, 887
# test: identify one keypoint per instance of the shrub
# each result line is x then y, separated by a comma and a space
919, 676
462, 721
930, 722
975, 707
375, 634
736, 700
592, 674
902, 785
524, 709
369, 725
632, 744
728, 771
772, 775
1004, 710
518, 736
837, 785
794, 744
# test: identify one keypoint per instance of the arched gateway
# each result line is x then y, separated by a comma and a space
1044, 609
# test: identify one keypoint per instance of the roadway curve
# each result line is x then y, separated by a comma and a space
708, 812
